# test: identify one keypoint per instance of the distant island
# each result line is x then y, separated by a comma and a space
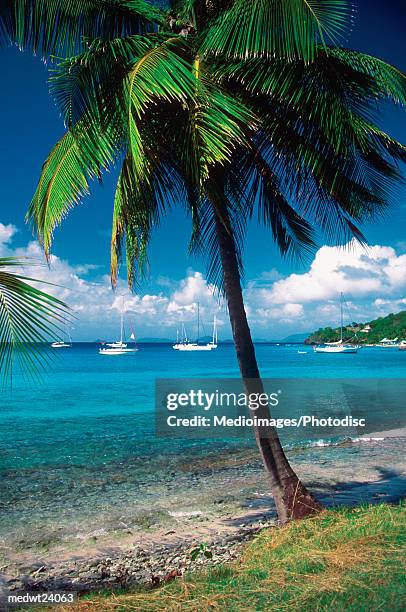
391, 327
152, 340
296, 337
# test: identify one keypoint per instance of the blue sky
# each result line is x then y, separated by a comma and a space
31, 125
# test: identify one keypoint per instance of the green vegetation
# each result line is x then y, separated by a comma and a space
345, 559
391, 327
28, 317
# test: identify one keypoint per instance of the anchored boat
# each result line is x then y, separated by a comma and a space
66, 343
120, 347
339, 346
186, 345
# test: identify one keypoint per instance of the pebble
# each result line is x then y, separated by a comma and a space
136, 566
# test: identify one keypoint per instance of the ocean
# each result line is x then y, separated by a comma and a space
78, 453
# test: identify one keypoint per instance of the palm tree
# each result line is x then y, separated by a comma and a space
233, 109
28, 318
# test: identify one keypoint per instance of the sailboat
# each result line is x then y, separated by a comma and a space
67, 343
186, 345
180, 338
120, 347
337, 347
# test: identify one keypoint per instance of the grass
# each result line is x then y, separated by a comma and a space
344, 559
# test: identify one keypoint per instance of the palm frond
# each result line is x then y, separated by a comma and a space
263, 193
138, 207
75, 160
29, 317
59, 27
288, 29
160, 74
318, 121
216, 125
132, 223
390, 81
95, 77
204, 240
330, 93
328, 191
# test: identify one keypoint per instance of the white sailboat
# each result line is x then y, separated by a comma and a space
120, 347
67, 343
180, 338
186, 345
60, 344
337, 347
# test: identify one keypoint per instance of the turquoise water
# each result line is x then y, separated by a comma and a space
83, 441
93, 409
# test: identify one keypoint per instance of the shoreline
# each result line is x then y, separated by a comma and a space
151, 561
152, 555
382, 435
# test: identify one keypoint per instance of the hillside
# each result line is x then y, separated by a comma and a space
296, 337
371, 332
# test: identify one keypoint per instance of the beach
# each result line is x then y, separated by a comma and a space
221, 504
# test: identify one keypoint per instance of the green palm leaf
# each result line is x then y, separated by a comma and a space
139, 205
332, 93
263, 193
216, 124
132, 221
75, 160
59, 27
94, 78
390, 82
288, 29
318, 120
28, 318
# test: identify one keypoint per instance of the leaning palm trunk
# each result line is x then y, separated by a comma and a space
292, 500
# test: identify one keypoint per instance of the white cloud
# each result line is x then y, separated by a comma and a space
354, 270
266, 277
7, 232
96, 307
192, 289
373, 281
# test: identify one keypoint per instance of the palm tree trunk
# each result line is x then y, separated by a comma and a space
291, 498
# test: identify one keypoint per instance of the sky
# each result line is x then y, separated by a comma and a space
282, 297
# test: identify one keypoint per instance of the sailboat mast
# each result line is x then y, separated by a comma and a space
214, 330
341, 319
198, 321
122, 323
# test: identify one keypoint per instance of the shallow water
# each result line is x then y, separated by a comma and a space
78, 453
